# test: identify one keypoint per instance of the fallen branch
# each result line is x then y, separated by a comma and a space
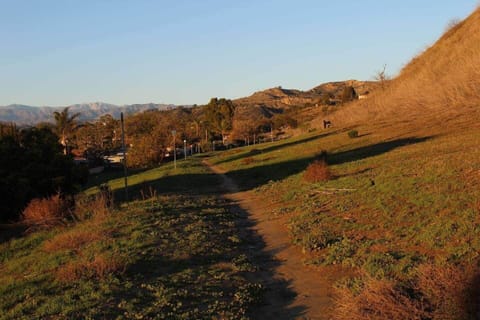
333, 190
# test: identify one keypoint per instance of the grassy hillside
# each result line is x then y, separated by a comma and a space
179, 256
442, 82
401, 208
401, 200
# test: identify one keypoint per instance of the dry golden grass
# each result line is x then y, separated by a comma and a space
74, 240
46, 213
99, 207
379, 299
317, 171
439, 292
449, 290
440, 83
248, 160
99, 268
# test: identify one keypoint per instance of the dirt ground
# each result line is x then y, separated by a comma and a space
309, 293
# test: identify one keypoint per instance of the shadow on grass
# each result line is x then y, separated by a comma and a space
191, 184
257, 176
11, 231
262, 149
195, 275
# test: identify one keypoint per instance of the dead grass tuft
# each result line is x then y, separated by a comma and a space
449, 290
46, 213
379, 299
317, 171
98, 207
99, 268
74, 240
438, 292
247, 161
147, 191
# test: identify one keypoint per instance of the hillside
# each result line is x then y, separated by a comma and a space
26, 115
283, 98
442, 82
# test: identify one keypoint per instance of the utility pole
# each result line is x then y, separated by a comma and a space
174, 150
124, 157
185, 148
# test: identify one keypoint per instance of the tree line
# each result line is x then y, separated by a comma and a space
37, 162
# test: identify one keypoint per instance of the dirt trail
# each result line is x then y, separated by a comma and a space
312, 286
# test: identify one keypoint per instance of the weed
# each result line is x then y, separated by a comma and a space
46, 213
341, 252
97, 207
317, 171
353, 134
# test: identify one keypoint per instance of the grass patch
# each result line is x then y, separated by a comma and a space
176, 256
396, 203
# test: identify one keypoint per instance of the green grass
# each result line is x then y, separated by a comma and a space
184, 255
395, 202
189, 177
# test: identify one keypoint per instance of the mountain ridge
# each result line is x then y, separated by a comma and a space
29, 115
271, 98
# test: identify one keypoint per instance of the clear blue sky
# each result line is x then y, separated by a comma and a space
185, 51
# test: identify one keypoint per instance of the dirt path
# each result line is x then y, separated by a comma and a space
311, 286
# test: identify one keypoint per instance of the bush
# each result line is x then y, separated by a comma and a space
97, 207
317, 171
33, 166
378, 300
353, 134
46, 213
449, 290
437, 292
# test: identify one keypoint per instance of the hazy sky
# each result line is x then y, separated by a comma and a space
187, 51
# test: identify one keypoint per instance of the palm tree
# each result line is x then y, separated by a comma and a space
65, 127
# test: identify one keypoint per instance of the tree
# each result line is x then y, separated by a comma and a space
382, 77
65, 127
349, 94
32, 165
219, 115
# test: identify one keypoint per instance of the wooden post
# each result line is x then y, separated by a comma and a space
125, 173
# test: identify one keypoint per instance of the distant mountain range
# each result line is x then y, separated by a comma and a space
29, 115
267, 100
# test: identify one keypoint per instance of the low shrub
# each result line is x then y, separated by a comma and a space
450, 290
97, 207
341, 252
378, 300
317, 171
318, 239
46, 213
353, 134
437, 292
